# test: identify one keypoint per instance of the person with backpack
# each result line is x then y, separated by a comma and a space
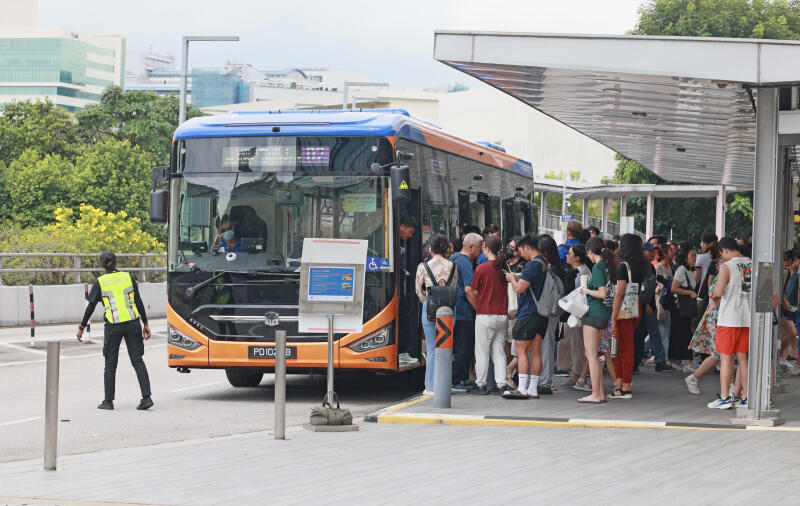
650, 334
600, 297
627, 311
438, 271
491, 316
664, 277
464, 320
530, 326
549, 250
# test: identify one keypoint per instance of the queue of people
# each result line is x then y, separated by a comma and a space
655, 302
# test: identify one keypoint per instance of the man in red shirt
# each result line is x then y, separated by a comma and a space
489, 297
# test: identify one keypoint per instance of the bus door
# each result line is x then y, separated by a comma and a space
484, 210
409, 257
464, 217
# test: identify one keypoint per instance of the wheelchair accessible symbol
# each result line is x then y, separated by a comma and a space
373, 264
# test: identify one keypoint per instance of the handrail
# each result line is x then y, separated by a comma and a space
77, 268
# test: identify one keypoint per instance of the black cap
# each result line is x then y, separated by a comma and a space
108, 257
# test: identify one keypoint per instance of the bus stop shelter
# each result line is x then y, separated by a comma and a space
708, 111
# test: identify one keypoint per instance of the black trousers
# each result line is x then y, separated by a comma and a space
463, 349
113, 335
680, 334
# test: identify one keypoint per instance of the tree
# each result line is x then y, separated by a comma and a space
35, 186
40, 126
141, 118
759, 19
113, 176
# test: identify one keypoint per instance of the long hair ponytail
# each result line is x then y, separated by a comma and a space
495, 245
597, 246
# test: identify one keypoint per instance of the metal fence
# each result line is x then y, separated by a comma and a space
552, 222
145, 264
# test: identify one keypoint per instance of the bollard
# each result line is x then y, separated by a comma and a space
51, 406
443, 358
280, 384
87, 339
33, 320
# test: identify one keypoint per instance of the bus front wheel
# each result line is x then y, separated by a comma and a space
240, 377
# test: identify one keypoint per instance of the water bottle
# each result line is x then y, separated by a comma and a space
613, 347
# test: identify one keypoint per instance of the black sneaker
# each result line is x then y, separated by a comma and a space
544, 390
106, 405
479, 391
146, 403
498, 390
663, 367
561, 373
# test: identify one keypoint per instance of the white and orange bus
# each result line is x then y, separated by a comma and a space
275, 178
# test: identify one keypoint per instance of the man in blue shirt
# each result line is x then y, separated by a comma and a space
490, 229
464, 317
574, 231
530, 327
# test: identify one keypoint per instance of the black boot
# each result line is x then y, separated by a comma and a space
106, 405
146, 403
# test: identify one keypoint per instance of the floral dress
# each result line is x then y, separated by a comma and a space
703, 339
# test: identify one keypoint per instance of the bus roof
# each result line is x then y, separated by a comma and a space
358, 122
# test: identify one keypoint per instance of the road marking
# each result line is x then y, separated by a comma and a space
63, 357
194, 386
23, 348
3, 424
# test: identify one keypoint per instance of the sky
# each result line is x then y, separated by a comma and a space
388, 41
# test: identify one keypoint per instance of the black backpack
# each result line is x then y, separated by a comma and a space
440, 296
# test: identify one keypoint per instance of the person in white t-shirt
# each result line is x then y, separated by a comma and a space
710, 252
733, 320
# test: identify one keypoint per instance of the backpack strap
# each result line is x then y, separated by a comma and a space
430, 274
452, 273
545, 269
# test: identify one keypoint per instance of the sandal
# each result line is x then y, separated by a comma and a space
514, 394
621, 395
510, 381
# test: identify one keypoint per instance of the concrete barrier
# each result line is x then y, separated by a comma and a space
66, 303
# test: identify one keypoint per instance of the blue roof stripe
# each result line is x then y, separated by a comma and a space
372, 122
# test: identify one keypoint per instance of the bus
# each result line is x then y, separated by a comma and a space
278, 177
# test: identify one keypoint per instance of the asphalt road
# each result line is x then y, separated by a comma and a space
187, 406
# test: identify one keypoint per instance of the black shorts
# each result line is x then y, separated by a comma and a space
526, 329
595, 322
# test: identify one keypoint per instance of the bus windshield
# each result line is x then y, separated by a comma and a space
253, 221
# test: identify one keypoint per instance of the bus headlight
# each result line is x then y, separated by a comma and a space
181, 340
379, 339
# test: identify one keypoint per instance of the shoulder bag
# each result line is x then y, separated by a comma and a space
687, 306
630, 304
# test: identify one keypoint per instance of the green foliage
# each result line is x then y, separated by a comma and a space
40, 126
113, 176
36, 185
760, 19
141, 118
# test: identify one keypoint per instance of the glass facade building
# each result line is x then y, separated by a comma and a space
71, 70
218, 87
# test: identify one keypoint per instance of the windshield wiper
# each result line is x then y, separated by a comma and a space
189, 292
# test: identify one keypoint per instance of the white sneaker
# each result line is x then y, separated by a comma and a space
692, 384
427, 392
720, 403
405, 358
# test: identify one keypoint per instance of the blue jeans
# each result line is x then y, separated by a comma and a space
654, 339
663, 328
429, 328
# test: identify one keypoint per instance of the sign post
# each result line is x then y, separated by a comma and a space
332, 273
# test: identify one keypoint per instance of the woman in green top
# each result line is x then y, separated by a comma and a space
596, 319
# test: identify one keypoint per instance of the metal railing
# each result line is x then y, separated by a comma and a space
552, 222
77, 264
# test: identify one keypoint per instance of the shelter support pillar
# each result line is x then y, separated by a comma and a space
604, 224
623, 207
651, 201
765, 274
721, 206
542, 210
585, 215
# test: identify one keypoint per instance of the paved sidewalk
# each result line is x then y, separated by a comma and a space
413, 464
660, 400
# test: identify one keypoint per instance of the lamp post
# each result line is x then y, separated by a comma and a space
185, 64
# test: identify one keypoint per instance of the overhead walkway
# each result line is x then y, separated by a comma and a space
695, 110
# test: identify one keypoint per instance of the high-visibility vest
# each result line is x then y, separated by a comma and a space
119, 301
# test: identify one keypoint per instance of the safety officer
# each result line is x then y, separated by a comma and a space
119, 294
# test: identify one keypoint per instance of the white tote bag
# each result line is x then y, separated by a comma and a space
513, 302
574, 303
630, 304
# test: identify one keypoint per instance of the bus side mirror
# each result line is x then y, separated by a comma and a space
159, 206
401, 193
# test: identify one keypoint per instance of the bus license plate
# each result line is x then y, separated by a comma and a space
269, 352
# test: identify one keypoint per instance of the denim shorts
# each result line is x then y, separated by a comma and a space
526, 329
595, 322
